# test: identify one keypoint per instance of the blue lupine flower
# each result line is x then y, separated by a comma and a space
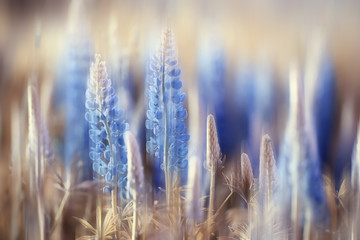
299, 163
123, 81
321, 90
166, 139
212, 89
255, 108
313, 185
75, 74
69, 97
108, 150
323, 111
245, 99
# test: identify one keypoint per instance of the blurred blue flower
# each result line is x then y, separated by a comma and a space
166, 116
69, 94
108, 151
299, 161
255, 106
324, 106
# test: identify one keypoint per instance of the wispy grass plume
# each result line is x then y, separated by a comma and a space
265, 220
247, 178
267, 176
135, 177
39, 156
213, 162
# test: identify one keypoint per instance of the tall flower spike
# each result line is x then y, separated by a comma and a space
108, 150
75, 72
320, 87
213, 153
167, 139
299, 164
69, 91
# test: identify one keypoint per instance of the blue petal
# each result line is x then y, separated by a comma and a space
99, 168
181, 113
108, 177
172, 62
123, 157
107, 154
180, 127
92, 117
150, 114
103, 134
183, 164
149, 124
184, 137
156, 130
175, 72
159, 114
95, 135
95, 155
91, 104
176, 83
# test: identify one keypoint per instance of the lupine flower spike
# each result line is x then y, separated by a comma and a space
108, 151
167, 139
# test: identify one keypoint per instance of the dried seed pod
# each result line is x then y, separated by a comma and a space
213, 153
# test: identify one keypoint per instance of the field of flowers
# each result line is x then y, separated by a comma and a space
179, 120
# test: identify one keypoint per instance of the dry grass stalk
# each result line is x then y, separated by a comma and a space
267, 175
16, 171
355, 182
39, 152
213, 161
247, 177
135, 176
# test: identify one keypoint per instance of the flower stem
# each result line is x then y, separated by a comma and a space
211, 200
133, 235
